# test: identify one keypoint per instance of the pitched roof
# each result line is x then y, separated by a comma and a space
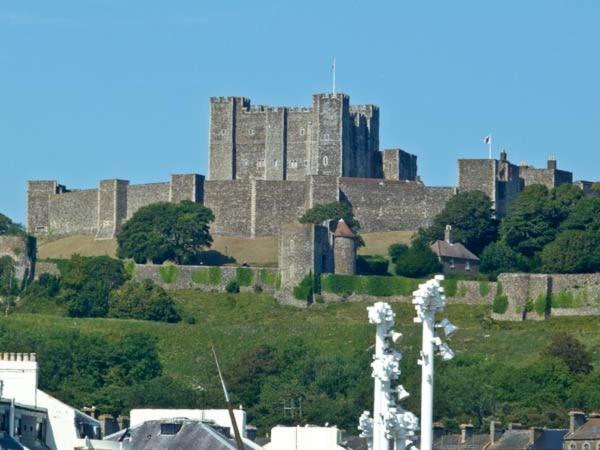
588, 431
193, 435
512, 440
550, 440
454, 442
343, 230
454, 250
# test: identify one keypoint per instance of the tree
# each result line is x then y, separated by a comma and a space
321, 213
531, 221
7, 226
86, 284
143, 301
417, 261
471, 216
585, 215
9, 285
573, 251
395, 251
568, 349
564, 198
162, 231
499, 257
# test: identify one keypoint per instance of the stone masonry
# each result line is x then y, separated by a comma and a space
267, 165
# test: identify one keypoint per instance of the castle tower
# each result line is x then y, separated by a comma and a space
333, 146
344, 249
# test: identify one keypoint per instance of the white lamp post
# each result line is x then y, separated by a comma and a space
428, 300
390, 423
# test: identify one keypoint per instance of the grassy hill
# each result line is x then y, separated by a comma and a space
236, 322
258, 251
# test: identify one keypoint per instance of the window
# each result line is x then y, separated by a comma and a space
294, 164
170, 428
325, 161
18, 431
326, 137
260, 163
586, 446
452, 263
275, 163
467, 265
572, 446
251, 131
2, 422
305, 163
302, 131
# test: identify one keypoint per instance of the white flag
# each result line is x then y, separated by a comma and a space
487, 139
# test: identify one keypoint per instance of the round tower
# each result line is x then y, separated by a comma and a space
344, 249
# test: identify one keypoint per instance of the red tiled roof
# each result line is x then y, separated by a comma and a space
343, 230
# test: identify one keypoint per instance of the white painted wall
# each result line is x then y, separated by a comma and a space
220, 417
304, 438
18, 373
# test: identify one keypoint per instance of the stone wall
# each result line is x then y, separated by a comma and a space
275, 203
200, 277
140, 195
567, 294
17, 248
73, 213
231, 203
388, 205
399, 165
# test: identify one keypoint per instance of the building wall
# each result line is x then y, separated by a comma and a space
231, 202
399, 165
275, 203
140, 195
344, 256
387, 205
478, 175
73, 212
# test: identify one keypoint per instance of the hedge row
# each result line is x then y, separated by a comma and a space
379, 286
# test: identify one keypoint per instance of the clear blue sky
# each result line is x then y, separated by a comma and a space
93, 89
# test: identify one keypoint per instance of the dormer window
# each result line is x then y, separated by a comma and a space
169, 429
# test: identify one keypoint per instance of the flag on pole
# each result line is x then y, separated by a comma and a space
487, 139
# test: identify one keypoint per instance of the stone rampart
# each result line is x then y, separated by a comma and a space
390, 205
209, 278
18, 248
73, 213
140, 195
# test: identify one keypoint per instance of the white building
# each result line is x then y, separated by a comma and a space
57, 426
305, 438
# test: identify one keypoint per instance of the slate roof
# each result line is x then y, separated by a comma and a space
512, 440
343, 230
453, 442
454, 250
193, 435
550, 440
588, 431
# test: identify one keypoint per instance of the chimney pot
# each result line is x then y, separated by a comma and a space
496, 430
466, 432
515, 426
576, 420
448, 234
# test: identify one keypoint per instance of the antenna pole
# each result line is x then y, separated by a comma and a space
333, 68
236, 431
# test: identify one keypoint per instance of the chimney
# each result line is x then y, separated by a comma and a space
108, 424
123, 422
515, 426
496, 430
438, 430
19, 375
534, 434
503, 156
552, 165
576, 419
466, 432
448, 234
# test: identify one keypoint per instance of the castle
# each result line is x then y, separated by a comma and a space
267, 165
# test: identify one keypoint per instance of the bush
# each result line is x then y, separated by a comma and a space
573, 251
542, 304
200, 276
207, 276
268, 277
168, 274
500, 304
304, 290
417, 262
244, 276
500, 258
564, 299
372, 265
450, 286
86, 284
233, 287
484, 288
129, 269
143, 301
379, 286
214, 276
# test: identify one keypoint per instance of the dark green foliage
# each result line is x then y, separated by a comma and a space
563, 299
142, 301
7, 226
584, 216
572, 251
372, 265
233, 287
245, 276
450, 286
304, 290
169, 273
500, 304
9, 285
45, 287
484, 288
418, 261
472, 219
542, 304
80, 368
86, 284
129, 269
268, 277
568, 349
162, 231
321, 213
498, 258
380, 286
531, 221
396, 251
